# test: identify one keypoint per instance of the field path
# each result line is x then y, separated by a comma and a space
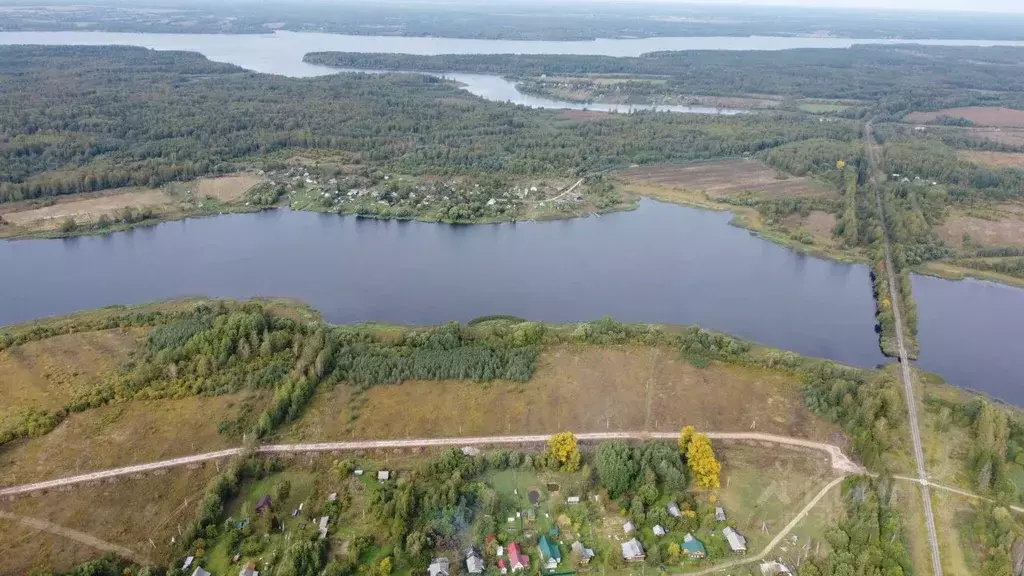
80, 537
840, 461
778, 537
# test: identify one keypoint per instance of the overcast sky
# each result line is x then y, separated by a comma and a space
930, 5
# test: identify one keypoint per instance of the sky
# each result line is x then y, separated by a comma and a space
1016, 6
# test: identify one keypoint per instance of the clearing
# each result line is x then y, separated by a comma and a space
999, 225
141, 514
28, 551
46, 374
124, 434
994, 159
1008, 137
579, 388
724, 179
176, 199
88, 209
980, 115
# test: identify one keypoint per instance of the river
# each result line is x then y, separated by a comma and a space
281, 53
662, 263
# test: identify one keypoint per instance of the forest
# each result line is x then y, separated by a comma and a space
77, 119
502, 20
900, 77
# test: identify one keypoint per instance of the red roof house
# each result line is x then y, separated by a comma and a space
517, 561
501, 566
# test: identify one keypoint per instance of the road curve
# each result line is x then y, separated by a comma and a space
839, 460
778, 537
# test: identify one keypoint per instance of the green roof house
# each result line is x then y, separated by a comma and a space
693, 547
549, 553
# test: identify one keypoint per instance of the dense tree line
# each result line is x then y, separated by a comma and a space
869, 540
903, 76
76, 119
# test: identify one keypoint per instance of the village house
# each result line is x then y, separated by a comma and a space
439, 567
549, 553
383, 475
572, 500
693, 547
658, 530
737, 543
188, 562
474, 563
633, 551
628, 527
501, 566
585, 555
200, 572
719, 514
249, 570
516, 560
323, 527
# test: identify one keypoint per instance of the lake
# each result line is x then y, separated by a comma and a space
662, 263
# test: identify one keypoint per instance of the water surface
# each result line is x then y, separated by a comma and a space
661, 263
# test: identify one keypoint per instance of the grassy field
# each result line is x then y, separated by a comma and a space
48, 373
727, 178
123, 434
175, 200
141, 514
580, 388
952, 514
26, 551
980, 115
995, 225
763, 488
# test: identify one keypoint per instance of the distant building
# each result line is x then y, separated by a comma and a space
693, 547
200, 572
673, 510
188, 562
501, 566
474, 563
263, 504
384, 475
439, 567
549, 553
737, 543
323, 527
249, 570
658, 530
628, 527
633, 551
572, 500
584, 554
719, 514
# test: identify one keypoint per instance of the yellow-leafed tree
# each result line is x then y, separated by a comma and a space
700, 457
562, 447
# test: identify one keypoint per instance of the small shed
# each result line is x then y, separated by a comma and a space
628, 527
719, 514
673, 510
332, 496
358, 472
263, 504
633, 551
572, 500
249, 570
658, 530
383, 476
200, 572
323, 526
773, 568
188, 562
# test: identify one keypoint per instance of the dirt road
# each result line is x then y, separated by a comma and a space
81, 537
840, 461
